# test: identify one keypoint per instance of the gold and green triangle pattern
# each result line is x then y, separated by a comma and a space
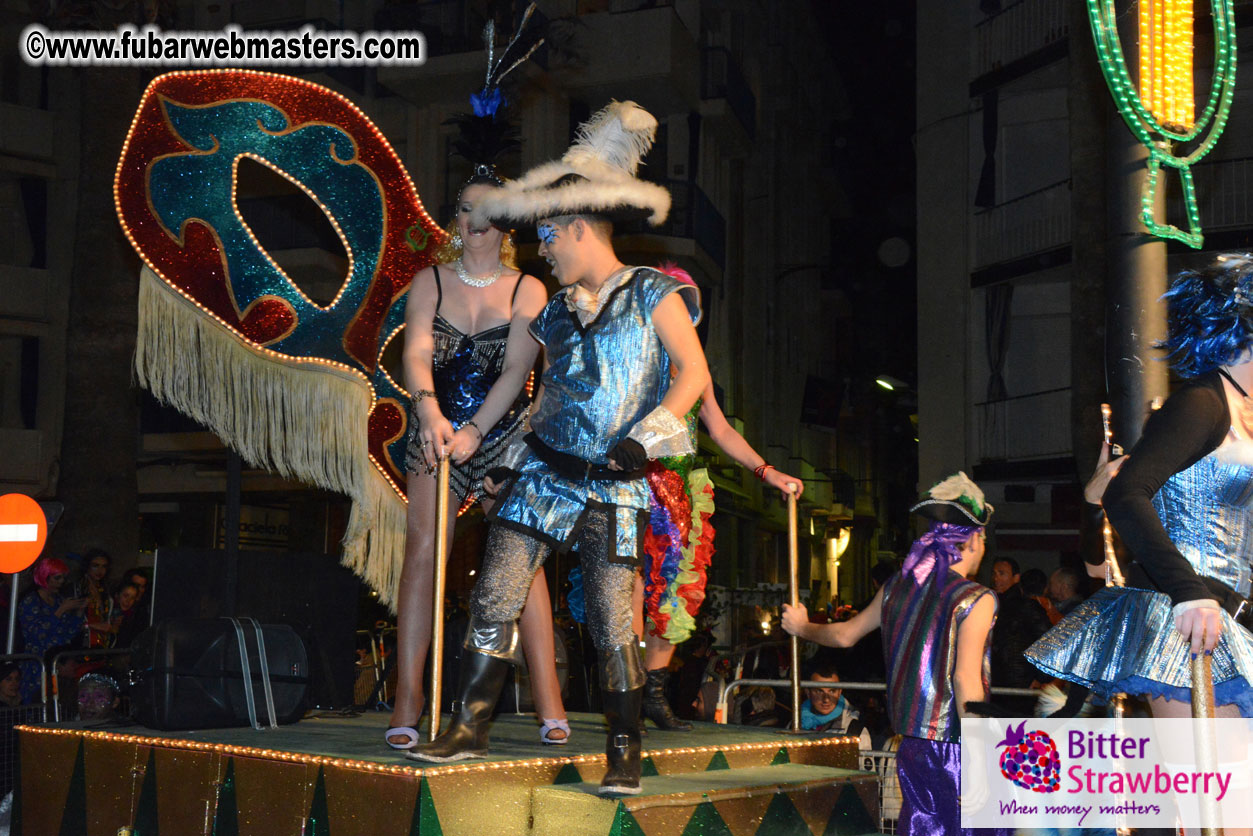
74, 819
624, 824
782, 819
425, 822
705, 821
319, 816
226, 816
569, 774
849, 816
146, 808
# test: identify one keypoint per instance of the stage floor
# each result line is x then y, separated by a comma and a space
514, 737
333, 774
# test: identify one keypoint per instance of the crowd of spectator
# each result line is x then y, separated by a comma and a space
74, 604
1029, 602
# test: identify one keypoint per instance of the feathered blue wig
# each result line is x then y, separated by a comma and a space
1210, 315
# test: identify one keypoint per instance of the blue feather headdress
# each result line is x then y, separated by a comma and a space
485, 133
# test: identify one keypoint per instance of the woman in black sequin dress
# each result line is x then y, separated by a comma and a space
466, 361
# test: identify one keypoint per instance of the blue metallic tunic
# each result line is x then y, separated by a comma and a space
1123, 639
601, 380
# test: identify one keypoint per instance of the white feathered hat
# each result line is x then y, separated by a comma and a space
595, 177
956, 500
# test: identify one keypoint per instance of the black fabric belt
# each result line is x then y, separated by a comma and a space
574, 468
1233, 602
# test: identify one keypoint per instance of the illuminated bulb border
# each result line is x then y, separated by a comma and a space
151, 91
398, 769
343, 239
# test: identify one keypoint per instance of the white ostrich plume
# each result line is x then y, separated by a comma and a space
618, 135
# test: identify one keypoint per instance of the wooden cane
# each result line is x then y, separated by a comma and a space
794, 597
1205, 744
1113, 574
437, 608
1113, 577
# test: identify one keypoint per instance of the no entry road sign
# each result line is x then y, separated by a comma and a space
23, 532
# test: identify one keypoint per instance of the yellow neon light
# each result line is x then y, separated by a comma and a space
1166, 76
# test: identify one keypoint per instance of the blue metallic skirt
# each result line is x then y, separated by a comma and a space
1123, 640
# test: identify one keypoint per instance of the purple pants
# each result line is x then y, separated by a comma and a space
930, 776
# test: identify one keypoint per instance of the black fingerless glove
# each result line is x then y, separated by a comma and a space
500, 475
629, 454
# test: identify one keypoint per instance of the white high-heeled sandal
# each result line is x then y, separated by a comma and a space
549, 726
408, 732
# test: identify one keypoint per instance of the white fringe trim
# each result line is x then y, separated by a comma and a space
307, 421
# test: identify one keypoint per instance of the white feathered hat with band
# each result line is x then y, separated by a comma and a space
595, 177
956, 500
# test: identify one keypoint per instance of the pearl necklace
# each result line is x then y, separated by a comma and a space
477, 281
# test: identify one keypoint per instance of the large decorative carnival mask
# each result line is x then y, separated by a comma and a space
228, 338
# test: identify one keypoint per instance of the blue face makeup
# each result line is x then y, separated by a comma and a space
547, 233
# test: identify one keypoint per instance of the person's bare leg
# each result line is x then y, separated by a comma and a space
1162, 707
657, 653
535, 628
414, 600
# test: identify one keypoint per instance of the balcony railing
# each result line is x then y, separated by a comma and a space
1015, 32
721, 79
1034, 223
1224, 194
1025, 426
693, 215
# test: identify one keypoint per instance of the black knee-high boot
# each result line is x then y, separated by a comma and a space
622, 746
656, 706
482, 677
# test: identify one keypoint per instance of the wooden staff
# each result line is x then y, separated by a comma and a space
794, 597
1205, 744
1113, 577
437, 609
1113, 574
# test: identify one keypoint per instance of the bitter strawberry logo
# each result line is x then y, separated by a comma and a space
1031, 760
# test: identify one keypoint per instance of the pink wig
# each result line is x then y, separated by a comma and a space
48, 567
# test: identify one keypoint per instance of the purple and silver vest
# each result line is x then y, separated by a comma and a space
920, 623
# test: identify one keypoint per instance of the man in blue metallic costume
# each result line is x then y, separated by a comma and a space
608, 405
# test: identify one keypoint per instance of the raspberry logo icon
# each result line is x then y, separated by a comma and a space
1030, 759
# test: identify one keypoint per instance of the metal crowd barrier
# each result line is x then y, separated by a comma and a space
847, 686
880, 761
23, 714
